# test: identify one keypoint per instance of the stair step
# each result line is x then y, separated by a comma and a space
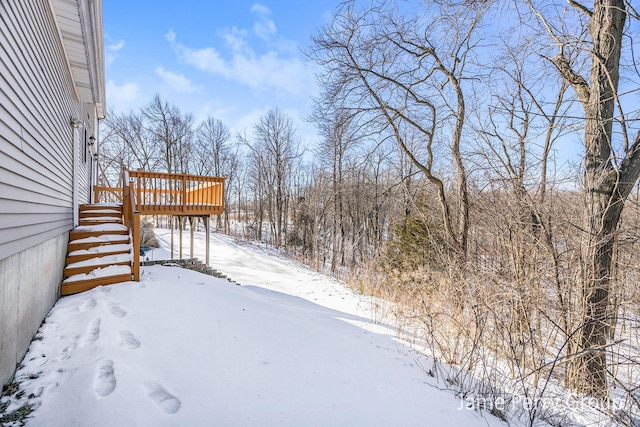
96, 251
102, 227
97, 262
91, 221
72, 271
111, 270
99, 250
101, 206
83, 257
85, 285
79, 234
101, 214
101, 259
95, 242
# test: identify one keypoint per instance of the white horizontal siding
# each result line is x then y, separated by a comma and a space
37, 100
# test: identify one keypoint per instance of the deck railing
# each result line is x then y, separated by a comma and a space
157, 193
177, 194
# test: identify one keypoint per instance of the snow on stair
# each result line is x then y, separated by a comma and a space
114, 211
109, 259
101, 227
112, 270
101, 249
103, 238
100, 218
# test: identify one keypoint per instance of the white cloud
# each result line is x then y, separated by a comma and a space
177, 82
264, 27
112, 51
258, 71
213, 109
247, 121
115, 47
235, 39
170, 36
121, 95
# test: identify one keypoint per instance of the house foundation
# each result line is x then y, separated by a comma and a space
29, 286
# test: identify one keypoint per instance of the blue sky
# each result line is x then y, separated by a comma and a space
232, 60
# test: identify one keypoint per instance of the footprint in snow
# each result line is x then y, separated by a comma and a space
92, 334
88, 304
66, 352
165, 400
116, 311
105, 381
129, 340
102, 290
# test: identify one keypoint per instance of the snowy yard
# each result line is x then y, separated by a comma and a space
288, 347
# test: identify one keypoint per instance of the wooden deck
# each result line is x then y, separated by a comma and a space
92, 248
156, 193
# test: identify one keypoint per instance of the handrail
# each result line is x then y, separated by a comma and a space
131, 221
103, 194
128, 201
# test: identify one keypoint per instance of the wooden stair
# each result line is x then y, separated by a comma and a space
99, 251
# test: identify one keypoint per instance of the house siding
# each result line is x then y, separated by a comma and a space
39, 150
37, 100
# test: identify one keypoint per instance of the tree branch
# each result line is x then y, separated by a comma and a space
578, 82
582, 8
629, 169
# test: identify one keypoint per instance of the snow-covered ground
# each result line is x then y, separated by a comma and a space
288, 347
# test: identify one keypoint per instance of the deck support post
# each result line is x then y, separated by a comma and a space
207, 231
191, 223
171, 225
181, 221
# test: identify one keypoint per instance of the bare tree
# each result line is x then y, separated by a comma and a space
274, 151
214, 154
611, 164
405, 74
172, 131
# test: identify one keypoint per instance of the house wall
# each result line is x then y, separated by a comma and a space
38, 151
27, 298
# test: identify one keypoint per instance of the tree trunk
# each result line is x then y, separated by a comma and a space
604, 193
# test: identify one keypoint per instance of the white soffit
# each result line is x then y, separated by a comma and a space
80, 26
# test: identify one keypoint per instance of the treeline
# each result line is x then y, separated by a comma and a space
334, 205
475, 161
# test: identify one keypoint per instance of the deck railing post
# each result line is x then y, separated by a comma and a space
126, 199
184, 192
221, 196
139, 191
136, 246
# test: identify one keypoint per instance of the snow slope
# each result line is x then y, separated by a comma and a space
289, 347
